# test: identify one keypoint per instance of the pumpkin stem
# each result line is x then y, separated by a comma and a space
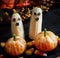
14, 36
45, 32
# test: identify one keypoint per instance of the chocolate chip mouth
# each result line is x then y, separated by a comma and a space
37, 19
17, 24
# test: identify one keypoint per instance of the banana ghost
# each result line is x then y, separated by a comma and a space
35, 22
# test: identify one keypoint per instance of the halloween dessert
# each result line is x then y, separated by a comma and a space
17, 25
35, 22
46, 41
15, 45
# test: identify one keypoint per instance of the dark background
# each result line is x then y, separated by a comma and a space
51, 21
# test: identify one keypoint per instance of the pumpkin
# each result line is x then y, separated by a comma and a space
15, 46
45, 41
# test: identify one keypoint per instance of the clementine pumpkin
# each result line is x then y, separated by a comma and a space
46, 41
15, 46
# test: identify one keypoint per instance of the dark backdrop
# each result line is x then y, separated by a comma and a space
51, 21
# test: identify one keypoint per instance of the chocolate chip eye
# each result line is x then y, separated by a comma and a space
34, 13
14, 19
18, 18
38, 14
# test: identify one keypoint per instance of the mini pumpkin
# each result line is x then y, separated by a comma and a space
46, 41
15, 46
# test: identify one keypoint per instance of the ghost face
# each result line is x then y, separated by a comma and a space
16, 19
17, 25
37, 13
